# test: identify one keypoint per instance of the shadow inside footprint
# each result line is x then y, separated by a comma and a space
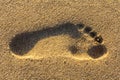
24, 42
97, 51
73, 49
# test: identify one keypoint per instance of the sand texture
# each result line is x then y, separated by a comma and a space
59, 39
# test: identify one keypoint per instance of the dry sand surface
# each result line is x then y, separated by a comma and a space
41, 40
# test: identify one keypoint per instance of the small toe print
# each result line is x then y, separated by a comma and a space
99, 39
93, 34
87, 29
97, 51
80, 26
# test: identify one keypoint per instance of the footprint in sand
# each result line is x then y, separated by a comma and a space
70, 40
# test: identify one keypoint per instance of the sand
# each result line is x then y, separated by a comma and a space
49, 54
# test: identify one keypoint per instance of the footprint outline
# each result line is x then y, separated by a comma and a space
65, 28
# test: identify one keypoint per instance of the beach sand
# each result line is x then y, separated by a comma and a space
38, 40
